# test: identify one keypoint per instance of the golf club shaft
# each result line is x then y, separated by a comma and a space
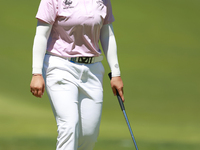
124, 112
130, 130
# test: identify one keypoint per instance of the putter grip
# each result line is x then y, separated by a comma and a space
118, 96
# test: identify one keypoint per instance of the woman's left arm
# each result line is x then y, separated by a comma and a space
109, 46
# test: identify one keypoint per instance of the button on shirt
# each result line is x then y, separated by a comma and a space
76, 25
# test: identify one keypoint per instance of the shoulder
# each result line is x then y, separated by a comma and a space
49, 2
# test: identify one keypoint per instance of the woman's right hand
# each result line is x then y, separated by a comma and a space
37, 85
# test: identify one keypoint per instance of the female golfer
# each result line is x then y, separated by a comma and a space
67, 61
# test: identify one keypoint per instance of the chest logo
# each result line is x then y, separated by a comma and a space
67, 4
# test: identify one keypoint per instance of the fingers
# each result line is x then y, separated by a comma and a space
117, 85
120, 92
114, 91
37, 92
37, 86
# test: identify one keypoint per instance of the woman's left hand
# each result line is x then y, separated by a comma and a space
117, 83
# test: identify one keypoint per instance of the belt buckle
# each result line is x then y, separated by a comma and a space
85, 60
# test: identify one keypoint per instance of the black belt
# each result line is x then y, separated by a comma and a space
85, 60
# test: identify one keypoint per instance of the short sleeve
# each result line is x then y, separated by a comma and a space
109, 16
47, 11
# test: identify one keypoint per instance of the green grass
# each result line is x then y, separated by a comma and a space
41, 143
158, 47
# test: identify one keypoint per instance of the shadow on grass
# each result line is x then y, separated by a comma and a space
102, 144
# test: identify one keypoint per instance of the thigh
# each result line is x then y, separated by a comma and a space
63, 96
90, 116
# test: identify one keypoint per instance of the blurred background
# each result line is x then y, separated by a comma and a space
159, 54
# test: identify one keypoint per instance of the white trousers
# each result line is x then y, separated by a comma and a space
76, 95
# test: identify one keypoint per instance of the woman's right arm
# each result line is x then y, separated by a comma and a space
37, 85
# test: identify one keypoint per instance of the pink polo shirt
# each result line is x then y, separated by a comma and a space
76, 25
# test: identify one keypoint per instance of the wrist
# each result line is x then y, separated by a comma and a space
37, 74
